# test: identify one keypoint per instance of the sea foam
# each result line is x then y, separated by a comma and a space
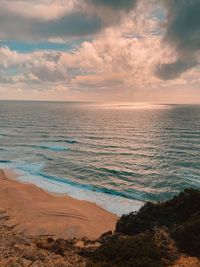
32, 173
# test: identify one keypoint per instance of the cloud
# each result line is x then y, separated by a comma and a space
116, 4
36, 67
121, 60
75, 24
173, 70
14, 26
44, 20
183, 33
44, 9
114, 59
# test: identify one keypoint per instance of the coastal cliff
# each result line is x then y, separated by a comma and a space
158, 235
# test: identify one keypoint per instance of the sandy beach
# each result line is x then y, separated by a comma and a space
35, 212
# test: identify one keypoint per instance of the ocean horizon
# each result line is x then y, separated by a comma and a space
117, 155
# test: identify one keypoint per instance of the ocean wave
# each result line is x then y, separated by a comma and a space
116, 155
111, 200
29, 168
36, 169
113, 203
135, 194
53, 148
46, 147
64, 141
71, 141
45, 157
2, 134
118, 172
5, 161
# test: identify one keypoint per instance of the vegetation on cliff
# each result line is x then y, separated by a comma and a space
180, 215
155, 235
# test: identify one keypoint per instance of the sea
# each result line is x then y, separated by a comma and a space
117, 155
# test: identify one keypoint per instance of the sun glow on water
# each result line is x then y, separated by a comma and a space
133, 105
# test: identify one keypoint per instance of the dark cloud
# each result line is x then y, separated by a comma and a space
116, 4
86, 20
183, 32
14, 26
75, 24
173, 70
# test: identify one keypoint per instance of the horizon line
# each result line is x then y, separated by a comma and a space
99, 102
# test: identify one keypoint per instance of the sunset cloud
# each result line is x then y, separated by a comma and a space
124, 48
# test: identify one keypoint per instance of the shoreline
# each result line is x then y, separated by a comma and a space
33, 211
112, 203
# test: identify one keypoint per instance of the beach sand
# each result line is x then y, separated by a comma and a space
35, 212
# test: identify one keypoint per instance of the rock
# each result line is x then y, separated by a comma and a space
25, 262
22, 240
10, 223
80, 244
93, 245
105, 234
4, 216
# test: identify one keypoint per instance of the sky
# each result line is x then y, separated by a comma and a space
100, 50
